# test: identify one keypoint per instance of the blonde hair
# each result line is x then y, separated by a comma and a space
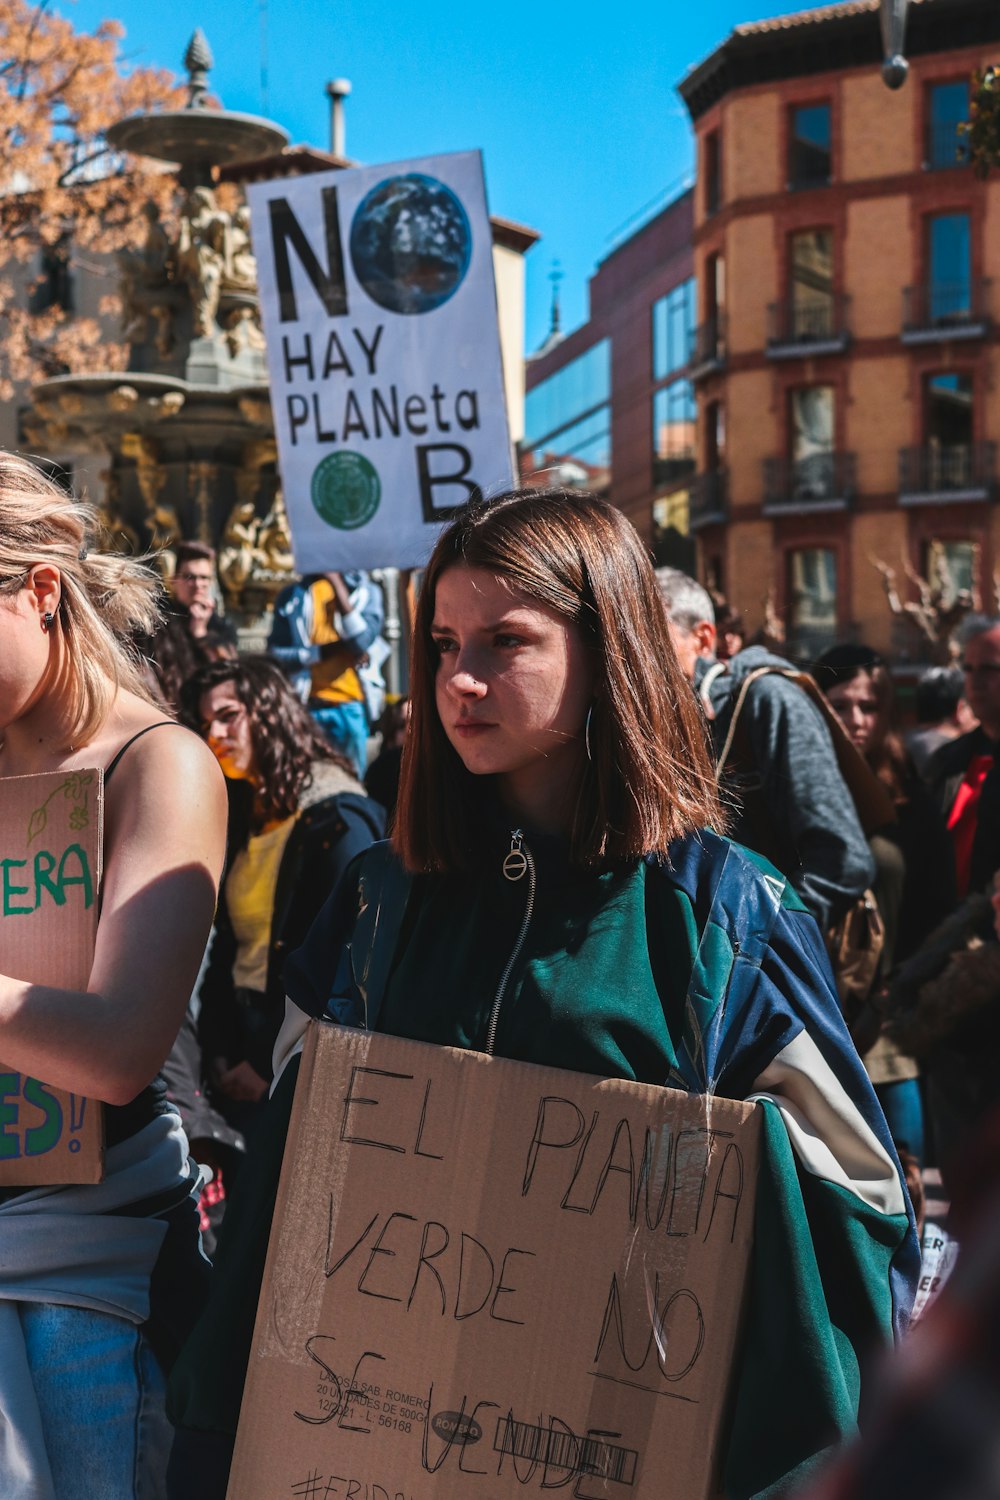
106, 598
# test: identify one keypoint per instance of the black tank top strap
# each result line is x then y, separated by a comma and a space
160, 724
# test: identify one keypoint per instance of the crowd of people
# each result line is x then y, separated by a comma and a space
586, 750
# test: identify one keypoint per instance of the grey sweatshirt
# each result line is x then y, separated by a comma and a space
812, 833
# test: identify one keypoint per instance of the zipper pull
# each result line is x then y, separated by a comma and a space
515, 866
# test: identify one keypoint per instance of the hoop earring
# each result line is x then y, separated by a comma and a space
47, 620
586, 732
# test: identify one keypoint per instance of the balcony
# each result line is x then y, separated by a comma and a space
941, 474
671, 471
709, 499
708, 348
808, 486
945, 147
937, 311
798, 329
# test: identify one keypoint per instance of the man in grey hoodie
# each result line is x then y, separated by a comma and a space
792, 803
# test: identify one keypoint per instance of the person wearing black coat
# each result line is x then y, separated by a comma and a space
297, 819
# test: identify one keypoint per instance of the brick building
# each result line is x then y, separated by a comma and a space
610, 407
846, 358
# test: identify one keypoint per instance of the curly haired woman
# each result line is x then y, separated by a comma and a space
297, 818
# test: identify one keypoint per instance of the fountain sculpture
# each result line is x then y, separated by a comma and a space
185, 432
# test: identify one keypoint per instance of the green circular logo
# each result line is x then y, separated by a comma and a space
346, 490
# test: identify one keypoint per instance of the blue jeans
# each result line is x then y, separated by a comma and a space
101, 1394
904, 1112
346, 727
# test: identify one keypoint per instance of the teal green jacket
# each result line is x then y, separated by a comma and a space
702, 971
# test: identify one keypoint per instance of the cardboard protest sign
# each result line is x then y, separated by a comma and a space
487, 1278
379, 309
51, 829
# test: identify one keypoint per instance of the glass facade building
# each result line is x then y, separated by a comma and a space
567, 420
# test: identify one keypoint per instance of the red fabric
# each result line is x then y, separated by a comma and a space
964, 815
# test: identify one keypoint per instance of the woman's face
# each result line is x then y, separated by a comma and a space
226, 725
856, 705
25, 656
514, 683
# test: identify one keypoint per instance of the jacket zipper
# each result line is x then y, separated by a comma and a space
518, 862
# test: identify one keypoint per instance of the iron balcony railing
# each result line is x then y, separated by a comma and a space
800, 326
938, 310
945, 147
709, 499
823, 481
947, 471
708, 346
672, 469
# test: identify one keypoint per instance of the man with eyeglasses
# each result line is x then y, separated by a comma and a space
965, 775
193, 586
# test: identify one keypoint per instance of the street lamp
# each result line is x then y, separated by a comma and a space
892, 19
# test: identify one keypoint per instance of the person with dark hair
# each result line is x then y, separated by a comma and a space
913, 885
792, 803
730, 632
297, 818
192, 587
964, 776
554, 893
382, 776
942, 713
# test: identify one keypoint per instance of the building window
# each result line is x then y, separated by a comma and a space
567, 421
54, 282
673, 328
809, 146
812, 601
947, 410
713, 172
812, 441
948, 452
949, 266
812, 284
715, 436
947, 108
953, 565
673, 432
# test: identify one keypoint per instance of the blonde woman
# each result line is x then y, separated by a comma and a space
95, 1281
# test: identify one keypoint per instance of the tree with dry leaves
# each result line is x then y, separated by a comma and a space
66, 200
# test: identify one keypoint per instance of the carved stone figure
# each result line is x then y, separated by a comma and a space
145, 277
241, 264
201, 256
238, 552
274, 540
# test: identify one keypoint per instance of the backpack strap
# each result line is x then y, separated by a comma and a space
872, 801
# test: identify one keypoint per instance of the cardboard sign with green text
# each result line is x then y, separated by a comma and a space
51, 829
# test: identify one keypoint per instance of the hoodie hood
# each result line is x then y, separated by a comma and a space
328, 780
725, 683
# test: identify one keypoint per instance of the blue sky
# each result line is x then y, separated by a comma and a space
573, 103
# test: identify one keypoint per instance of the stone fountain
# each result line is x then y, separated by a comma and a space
184, 433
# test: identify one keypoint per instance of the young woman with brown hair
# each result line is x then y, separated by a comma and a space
297, 819
554, 893
84, 1329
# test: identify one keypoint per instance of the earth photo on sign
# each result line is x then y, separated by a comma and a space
411, 243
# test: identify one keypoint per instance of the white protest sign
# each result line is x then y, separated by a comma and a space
379, 309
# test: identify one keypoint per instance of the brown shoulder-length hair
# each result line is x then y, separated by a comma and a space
651, 777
